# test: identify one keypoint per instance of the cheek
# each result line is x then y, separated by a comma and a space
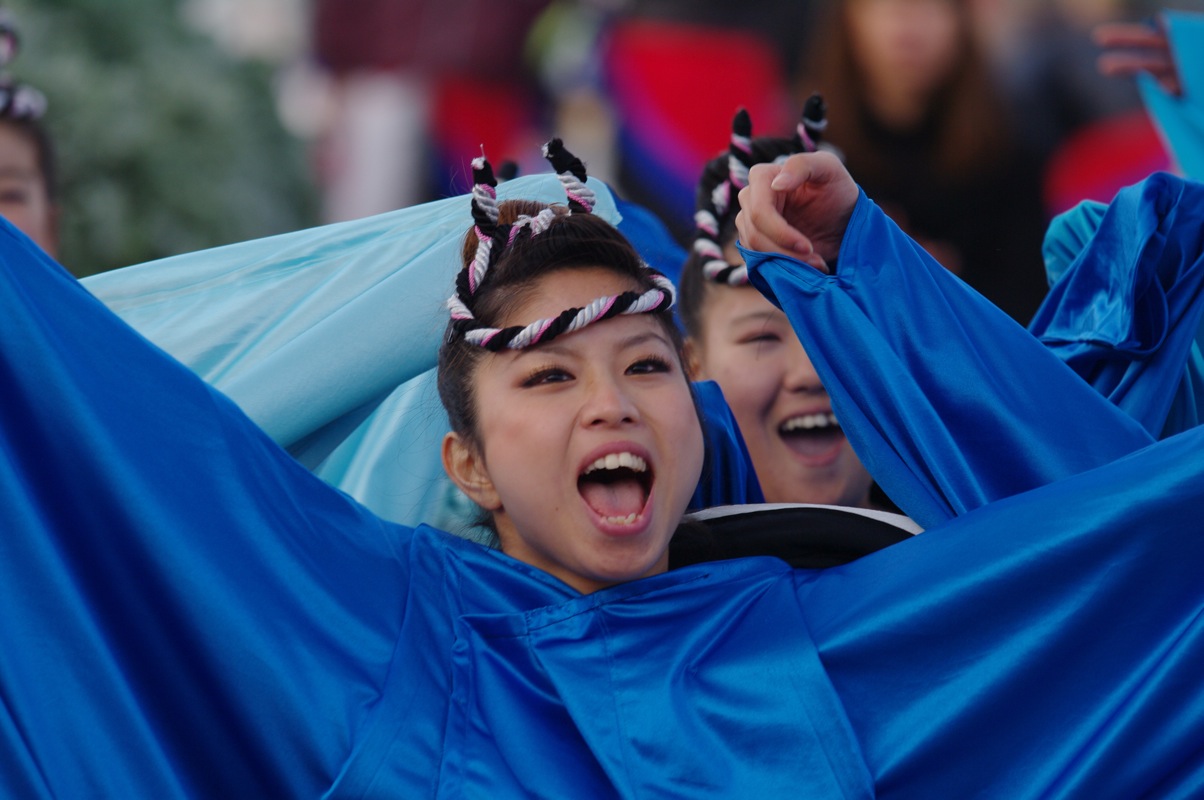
17, 214
868, 34
512, 442
544, 428
675, 419
750, 381
689, 445
945, 49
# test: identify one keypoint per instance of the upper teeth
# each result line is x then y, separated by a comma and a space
808, 421
617, 460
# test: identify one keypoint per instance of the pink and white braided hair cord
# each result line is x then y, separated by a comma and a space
484, 199
651, 300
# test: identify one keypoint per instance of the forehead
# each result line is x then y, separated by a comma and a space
732, 305
566, 288
18, 155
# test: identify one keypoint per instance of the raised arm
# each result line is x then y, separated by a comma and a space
948, 402
183, 608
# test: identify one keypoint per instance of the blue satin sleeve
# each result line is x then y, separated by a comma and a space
1125, 308
184, 609
948, 402
1045, 645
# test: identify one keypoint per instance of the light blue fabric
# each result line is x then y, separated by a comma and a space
1126, 314
1067, 236
1114, 309
1180, 119
328, 337
188, 612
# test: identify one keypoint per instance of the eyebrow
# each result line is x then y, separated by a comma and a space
637, 339
772, 315
634, 340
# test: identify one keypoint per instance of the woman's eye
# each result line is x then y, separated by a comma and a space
761, 338
546, 375
647, 366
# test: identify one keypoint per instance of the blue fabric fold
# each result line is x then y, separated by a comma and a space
1126, 312
1039, 646
187, 611
170, 630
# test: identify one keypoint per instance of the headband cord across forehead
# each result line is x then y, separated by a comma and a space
718, 207
493, 238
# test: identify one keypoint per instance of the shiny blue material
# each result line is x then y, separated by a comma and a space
1125, 313
188, 612
650, 236
728, 477
948, 402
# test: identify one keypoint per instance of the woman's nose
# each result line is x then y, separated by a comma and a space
608, 403
800, 374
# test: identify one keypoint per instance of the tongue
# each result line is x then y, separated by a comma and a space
815, 443
614, 499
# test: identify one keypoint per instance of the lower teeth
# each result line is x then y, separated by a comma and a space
627, 520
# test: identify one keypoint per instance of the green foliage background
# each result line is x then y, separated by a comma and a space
165, 143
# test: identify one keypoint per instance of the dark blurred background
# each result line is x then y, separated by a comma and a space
186, 124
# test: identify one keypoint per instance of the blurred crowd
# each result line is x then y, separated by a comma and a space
972, 122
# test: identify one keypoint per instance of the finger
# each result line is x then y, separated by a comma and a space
1127, 64
1121, 34
755, 238
770, 237
760, 222
1132, 63
799, 170
765, 222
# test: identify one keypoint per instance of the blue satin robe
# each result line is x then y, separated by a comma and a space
186, 611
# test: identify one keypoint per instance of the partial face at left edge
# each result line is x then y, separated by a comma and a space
24, 196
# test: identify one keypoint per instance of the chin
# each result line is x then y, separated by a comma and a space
632, 568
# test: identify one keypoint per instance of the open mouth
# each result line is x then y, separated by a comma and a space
617, 487
812, 435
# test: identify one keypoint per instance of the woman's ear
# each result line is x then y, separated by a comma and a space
465, 466
692, 353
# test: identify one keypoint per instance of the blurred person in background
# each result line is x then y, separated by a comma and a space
27, 185
416, 84
1044, 60
27, 162
923, 129
645, 88
1093, 134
